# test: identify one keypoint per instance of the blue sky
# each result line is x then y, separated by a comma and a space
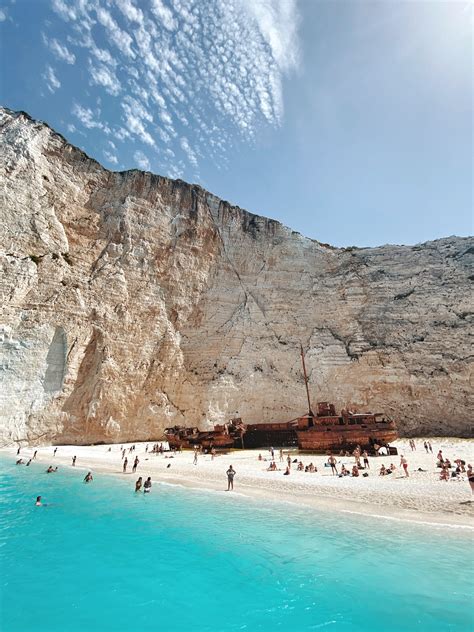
349, 121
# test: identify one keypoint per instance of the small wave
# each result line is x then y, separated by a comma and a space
396, 519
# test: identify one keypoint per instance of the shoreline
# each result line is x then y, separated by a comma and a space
421, 498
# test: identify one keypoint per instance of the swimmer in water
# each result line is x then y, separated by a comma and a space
19, 462
88, 477
38, 501
138, 484
51, 469
147, 486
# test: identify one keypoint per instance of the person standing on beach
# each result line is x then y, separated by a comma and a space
281, 455
74, 461
18, 451
125, 463
366, 460
333, 463
288, 460
470, 477
195, 460
404, 462
34, 455
55, 450
230, 478
135, 464
425, 445
430, 447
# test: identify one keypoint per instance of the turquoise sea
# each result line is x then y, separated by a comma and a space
100, 557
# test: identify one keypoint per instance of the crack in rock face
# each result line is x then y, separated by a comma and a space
132, 302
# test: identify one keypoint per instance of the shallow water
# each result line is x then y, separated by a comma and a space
100, 557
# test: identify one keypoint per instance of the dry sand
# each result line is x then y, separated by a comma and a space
421, 498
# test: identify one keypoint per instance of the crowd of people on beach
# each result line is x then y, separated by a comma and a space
147, 485
361, 458
449, 470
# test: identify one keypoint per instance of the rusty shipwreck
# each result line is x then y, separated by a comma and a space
323, 431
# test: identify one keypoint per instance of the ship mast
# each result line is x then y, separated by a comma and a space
310, 412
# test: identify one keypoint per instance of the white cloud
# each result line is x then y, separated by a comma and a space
89, 118
119, 37
131, 12
52, 82
120, 133
213, 67
163, 14
142, 161
59, 50
101, 75
135, 124
3, 14
191, 155
110, 157
65, 10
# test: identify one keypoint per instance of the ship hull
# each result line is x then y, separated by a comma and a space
325, 438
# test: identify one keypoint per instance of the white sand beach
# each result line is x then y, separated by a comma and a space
421, 497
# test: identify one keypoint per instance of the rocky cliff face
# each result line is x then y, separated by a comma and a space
131, 302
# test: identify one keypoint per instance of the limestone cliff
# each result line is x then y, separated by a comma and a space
131, 302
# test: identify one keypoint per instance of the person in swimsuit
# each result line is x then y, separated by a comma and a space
88, 477
38, 501
470, 477
138, 484
366, 459
34, 455
19, 462
135, 464
332, 462
404, 463
147, 486
55, 450
125, 463
51, 469
74, 460
230, 478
